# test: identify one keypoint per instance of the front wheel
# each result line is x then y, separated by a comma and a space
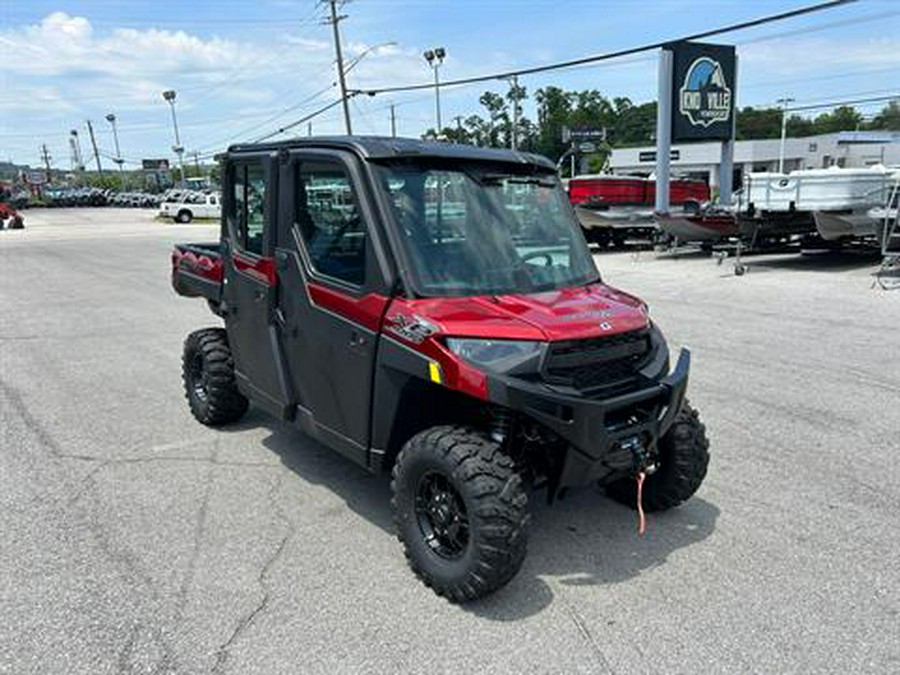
683, 459
461, 512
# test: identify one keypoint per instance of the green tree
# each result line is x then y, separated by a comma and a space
797, 127
755, 123
634, 125
842, 118
498, 117
888, 119
554, 106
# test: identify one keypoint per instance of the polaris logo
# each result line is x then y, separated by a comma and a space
606, 326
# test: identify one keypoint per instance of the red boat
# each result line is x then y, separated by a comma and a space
614, 208
705, 226
10, 219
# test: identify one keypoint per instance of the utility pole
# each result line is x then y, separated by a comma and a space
514, 91
393, 122
784, 104
94, 145
197, 162
45, 158
309, 128
335, 18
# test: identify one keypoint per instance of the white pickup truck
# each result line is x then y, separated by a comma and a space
192, 206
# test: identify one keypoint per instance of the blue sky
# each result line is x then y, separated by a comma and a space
244, 68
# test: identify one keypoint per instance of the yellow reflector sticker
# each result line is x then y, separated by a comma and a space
434, 372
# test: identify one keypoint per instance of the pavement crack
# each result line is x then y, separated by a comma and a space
199, 534
88, 482
31, 422
587, 635
223, 653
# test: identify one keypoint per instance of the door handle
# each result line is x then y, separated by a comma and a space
357, 340
259, 295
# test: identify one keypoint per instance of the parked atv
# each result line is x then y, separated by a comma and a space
433, 311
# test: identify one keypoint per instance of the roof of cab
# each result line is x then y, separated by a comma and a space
385, 147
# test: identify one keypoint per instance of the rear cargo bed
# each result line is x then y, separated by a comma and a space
197, 271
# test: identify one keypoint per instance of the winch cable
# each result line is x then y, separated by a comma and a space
642, 522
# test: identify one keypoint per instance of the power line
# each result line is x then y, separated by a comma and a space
270, 118
301, 120
616, 54
835, 104
824, 26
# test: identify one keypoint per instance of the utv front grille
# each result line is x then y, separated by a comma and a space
603, 365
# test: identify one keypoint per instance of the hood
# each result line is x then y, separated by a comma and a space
566, 314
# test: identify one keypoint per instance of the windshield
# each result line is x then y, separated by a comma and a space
477, 230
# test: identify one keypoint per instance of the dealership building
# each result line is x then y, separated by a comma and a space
701, 160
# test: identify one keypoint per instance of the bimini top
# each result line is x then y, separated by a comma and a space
385, 147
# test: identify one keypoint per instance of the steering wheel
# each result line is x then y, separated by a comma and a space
548, 259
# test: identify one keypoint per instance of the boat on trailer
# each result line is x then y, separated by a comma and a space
709, 225
612, 209
832, 203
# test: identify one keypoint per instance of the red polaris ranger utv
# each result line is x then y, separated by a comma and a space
432, 310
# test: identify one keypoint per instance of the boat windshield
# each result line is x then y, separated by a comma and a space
474, 230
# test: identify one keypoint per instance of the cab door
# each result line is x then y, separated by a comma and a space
334, 299
250, 285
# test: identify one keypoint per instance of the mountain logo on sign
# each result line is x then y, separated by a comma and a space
705, 98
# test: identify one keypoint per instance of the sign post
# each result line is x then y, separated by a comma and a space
663, 131
697, 86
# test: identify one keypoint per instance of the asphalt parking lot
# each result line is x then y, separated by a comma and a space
136, 540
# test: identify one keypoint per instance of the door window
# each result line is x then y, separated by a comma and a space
330, 223
250, 206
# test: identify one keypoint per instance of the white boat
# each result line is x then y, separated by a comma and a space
885, 218
837, 199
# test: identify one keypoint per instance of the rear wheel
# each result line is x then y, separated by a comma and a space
208, 374
683, 459
184, 216
460, 510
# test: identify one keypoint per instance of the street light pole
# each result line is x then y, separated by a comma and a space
784, 104
435, 58
111, 118
169, 95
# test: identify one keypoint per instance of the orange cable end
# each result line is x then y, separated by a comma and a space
642, 523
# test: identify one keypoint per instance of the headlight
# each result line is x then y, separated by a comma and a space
499, 355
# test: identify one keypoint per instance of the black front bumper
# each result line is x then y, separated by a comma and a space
600, 432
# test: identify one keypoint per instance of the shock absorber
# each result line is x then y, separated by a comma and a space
501, 420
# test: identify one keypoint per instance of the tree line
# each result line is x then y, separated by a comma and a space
626, 123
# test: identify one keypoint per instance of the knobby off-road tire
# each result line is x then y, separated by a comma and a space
207, 370
683, 458
446, 475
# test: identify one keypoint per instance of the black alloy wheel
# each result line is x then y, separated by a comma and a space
442, 516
